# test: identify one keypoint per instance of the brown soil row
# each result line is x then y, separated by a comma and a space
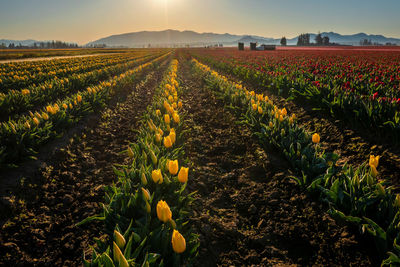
70, 187
247, 212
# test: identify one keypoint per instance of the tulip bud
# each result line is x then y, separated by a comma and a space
173, 167
178, 242
183, 175
146, 194
160, 131
156, 175
148, 208
381, 189
179, 104
397, 201
27, 125
143, 178
119, 239
118, 256
260, 110
271, 124
130, 152
316, 138
153, 157
158, 137
158, 112
164, 213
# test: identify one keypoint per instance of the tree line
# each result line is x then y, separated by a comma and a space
41, 45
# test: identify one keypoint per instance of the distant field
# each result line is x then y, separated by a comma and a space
32, 53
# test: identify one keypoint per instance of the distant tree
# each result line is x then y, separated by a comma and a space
325, 40
365, 42
304, 39
283, 41
318, 39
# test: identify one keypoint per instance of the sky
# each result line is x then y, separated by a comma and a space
82, 21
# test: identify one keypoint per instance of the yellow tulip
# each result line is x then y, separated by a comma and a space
172, 136
183, 174
280, 118
27, 125
45, 116
156, 175
65, 106
160, 131
25, 92
70, 105
36, 121
174, 105
266, 98
167, 142
179, 104
167, 119
176, 118
316, 138
374, 161
79, 98
49, 109
158, 112
170, 98
252, 101
119, 239
260, 111
271, 124
164, 213
254, 107
284, 112
178, 242
173, 167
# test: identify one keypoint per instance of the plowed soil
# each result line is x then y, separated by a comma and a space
69, 188
247, 210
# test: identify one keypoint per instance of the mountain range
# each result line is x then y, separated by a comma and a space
173, 38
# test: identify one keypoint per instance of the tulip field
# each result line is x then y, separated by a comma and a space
201, 157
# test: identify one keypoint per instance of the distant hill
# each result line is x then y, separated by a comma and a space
181, 38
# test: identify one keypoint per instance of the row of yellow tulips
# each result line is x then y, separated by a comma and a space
357, 196
22, 137
155, 221
13, 103
15, 76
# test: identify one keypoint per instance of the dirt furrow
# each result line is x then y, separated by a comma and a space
43, 233
246, 211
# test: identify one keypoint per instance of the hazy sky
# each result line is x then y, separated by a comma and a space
82, 21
